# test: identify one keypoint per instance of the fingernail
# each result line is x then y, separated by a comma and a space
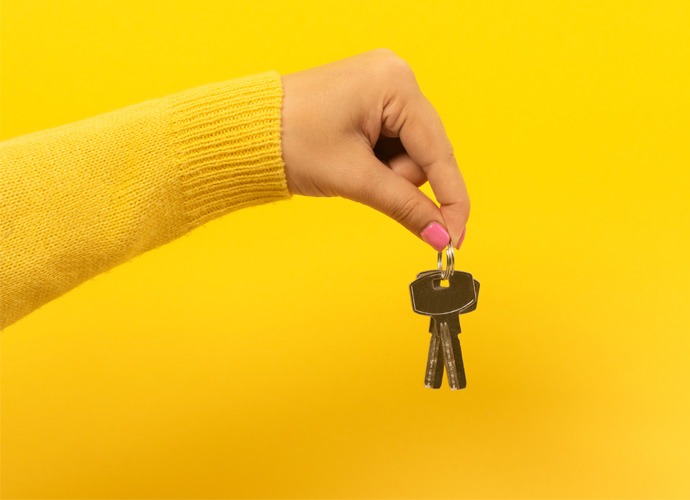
436, 236
462, 238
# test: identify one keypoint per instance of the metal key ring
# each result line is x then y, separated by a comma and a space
450, 262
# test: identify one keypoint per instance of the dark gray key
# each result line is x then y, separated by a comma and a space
443, 305
433, 377
435, 359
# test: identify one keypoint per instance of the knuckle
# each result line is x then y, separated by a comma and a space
404, 212
394, 66
400, 68
384, 52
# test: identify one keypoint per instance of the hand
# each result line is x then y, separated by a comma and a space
360, 128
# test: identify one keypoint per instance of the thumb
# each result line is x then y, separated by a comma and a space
393, 195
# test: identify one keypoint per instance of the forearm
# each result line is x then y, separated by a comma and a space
83, 198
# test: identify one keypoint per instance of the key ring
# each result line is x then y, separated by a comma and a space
450, 262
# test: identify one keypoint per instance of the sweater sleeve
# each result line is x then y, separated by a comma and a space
82, 198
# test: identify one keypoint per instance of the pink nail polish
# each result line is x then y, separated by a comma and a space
436, 236
462, 238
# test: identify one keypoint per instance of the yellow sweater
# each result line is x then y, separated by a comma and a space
82, 198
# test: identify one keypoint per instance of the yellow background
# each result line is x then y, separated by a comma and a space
192, 372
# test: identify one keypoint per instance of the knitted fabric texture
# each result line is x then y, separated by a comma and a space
80, 199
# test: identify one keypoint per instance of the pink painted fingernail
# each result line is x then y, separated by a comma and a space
436, 236
462, 238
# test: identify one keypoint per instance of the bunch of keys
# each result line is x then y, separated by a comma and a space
444, 304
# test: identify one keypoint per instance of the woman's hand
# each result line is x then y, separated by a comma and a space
360, 128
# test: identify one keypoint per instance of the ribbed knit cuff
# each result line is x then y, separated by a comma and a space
226, 143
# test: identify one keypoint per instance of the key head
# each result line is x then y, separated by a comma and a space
429, 298
464, 311
476, 298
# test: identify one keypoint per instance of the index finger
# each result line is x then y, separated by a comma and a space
425, 140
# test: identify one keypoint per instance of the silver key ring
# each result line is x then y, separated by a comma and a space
450, 262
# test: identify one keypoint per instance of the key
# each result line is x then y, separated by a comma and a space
443, 305
434, 365
435, 360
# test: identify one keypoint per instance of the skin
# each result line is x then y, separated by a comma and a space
361, 128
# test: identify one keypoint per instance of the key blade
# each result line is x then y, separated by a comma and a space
452, 357
434, 363
459, 364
